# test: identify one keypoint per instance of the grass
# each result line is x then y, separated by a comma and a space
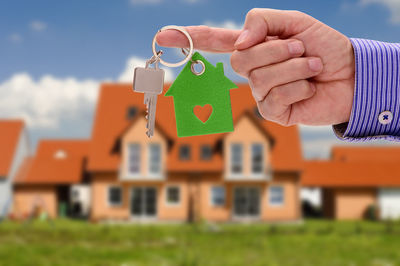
315, 242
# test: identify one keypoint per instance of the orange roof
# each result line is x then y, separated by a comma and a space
10, 131
350, 174
110, 121
56, 162
366, 153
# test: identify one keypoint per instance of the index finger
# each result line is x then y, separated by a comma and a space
210, 39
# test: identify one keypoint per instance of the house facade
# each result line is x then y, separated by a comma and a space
250, 174
53, 181
356, 179
14, 147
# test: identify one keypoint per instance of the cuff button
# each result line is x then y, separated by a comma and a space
385, 117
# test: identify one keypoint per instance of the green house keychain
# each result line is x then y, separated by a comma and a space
207, 92
201, 98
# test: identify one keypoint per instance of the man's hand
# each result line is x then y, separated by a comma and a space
300, 70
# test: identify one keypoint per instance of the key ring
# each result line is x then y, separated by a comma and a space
185, 51
188, 55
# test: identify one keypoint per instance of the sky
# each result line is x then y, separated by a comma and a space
54, 54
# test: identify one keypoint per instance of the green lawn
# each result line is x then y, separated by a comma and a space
319, 243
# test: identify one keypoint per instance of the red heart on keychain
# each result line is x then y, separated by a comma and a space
203, 113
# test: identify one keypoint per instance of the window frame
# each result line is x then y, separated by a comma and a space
202, 149
270, 196
262, 159
167, 202
231, 156
139, 161
212, 203
189, 152
112, 204
153, 174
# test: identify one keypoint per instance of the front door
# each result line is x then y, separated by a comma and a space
144, 202
246, 202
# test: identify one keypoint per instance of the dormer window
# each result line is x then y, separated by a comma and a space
257, 158
131, 112
134, 158
205, 152
236, 158
60, 155
184, 153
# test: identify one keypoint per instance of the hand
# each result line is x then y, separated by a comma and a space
300, 70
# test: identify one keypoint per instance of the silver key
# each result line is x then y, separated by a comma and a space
149, 81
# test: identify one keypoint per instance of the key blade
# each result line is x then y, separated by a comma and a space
152, 114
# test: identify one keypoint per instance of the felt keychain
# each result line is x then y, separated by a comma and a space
201, 98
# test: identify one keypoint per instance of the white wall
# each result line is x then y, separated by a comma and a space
83, 193
389, 203
21, 152
312, 195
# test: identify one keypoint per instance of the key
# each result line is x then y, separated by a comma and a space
149, 81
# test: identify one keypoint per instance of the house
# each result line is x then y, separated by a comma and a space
14, 147
250, 174
54, 181
211, 89
356, 178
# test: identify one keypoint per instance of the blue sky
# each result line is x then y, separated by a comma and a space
53, 54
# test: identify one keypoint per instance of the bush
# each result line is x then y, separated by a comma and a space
372, 213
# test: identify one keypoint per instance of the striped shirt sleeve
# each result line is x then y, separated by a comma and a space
375, 113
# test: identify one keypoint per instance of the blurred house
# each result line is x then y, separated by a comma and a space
251, 174
54, 181
14, 147
355, 179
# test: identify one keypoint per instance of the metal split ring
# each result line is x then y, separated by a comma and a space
189, 53
194, 70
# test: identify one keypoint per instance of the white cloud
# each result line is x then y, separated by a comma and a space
145, 2
43, 103
15, 38
392, 5
227, 24
127, 73
48, 102
37, 25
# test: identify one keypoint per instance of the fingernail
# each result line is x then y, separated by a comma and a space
242, 37
315, 64
296, 47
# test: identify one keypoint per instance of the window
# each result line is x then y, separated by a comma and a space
217, 196
173, 195
257, 158
184, 152
236, 158
276, 195
134, 158
60, 154
154, 158
131, 112
205, 152
114, 196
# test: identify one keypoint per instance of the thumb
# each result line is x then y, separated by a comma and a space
263, 22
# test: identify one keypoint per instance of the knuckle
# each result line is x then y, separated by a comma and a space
255, 77
296, 13
264, 112
253, 12
276, 95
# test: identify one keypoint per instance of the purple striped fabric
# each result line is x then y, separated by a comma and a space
377, 89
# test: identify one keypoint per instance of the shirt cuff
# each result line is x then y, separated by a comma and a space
376, 106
